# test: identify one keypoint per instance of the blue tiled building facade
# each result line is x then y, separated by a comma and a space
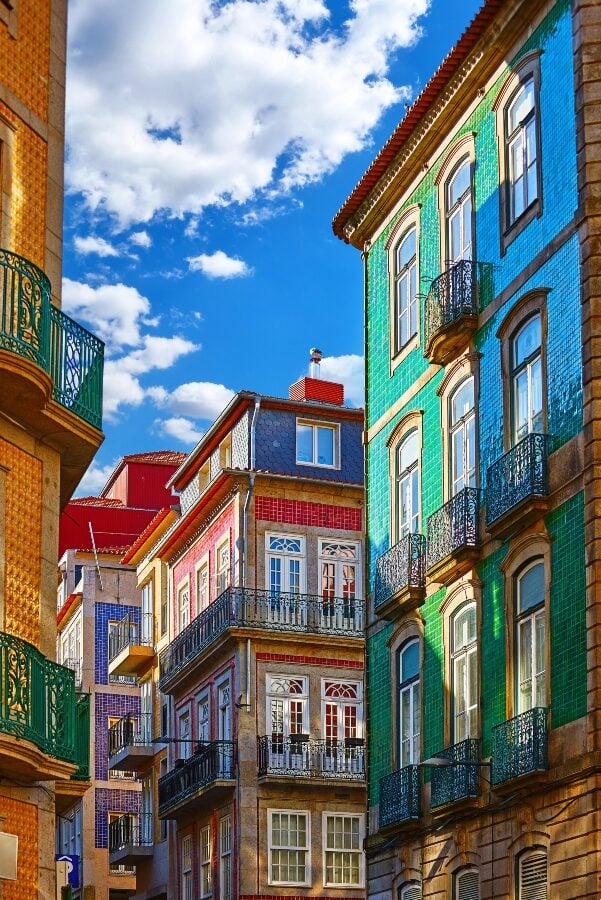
471, 226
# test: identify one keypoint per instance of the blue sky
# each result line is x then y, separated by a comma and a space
209, 146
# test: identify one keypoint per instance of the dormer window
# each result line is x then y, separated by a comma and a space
316, 444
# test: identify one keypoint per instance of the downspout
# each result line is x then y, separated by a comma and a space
247, 499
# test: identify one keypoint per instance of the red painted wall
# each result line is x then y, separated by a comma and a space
142, 485
113, 526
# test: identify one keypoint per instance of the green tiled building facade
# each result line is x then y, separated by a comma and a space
478, 226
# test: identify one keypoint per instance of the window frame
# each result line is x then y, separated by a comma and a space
460, 873
315, 424
226, 871
531, 615
537, 850
400, 688
307, 849
219, 572
203, 565
340, 703
338, 563
527, 68
183, 587
521, 368
205, 861
285, 555
303, 698
462, 150
465, 651
184, 867
358, 852
412, 421
460, 425
409, 220
403, 891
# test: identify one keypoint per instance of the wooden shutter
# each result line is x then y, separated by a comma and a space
533, 876
411, 892
467, 886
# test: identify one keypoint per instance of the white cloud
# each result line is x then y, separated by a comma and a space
97, 245
114, 312
219, 265
94, 480
180, 428
141, 239
198, 399
214, 104
349, 371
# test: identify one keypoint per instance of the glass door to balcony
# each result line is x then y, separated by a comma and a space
340, 583
459, 213
287, 714
224, 728
285, 576
342, 727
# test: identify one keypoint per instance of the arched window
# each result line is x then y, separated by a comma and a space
530, 638
532, 875
412, 891
464, 673
521, 150
459, 213
409, 704
466, 885
526, 378
407, 485
462, 436
405, 276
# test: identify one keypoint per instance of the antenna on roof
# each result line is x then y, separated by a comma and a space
314, 363
95, 555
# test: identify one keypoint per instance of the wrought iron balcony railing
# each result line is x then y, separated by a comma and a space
452, 783
130, 731
519, 474
400, 796
247, 608
400, 568
213, 761
452, 295
299, 755
33, 328
37, 699
130, 633
82, 737
520, 746
455, 526
131, 831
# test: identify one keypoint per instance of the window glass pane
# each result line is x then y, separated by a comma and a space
531, 587
521, 105
304, 443
459, 183
525, 665
527, 340
462, 401
408, 452
467, 228
325, 446
406, 251
410, 661
455, 236
536, 399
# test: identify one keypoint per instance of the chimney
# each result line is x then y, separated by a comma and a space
313, 388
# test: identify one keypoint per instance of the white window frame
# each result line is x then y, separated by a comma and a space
531, 617
339, 562
526, 367
358, 852
341, 702
184, 611
223, 577
147, 613
203, 697
306, 849
463, 656
406, 277
409, 687
525, 128
206, 861
203, 592
315, 425
465, 426
184, 744
225, 859
458, 208
285, 556
186, 858
302, 698
411, 475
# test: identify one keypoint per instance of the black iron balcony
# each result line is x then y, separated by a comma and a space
451, 311
400, 797
131, 645
212, 767
298, 755
520, 746
131, 838
400, 575
456, 782
246, 608
130, 743
517, 484
453, 535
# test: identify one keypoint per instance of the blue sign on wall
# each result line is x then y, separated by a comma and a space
72, 867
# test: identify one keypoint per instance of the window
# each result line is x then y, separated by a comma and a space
342, 710
521, 150
339, 567
285, 564
466, 885
147, 816
406, 298
410, 892
287, 707
343, 850
462, 436
147, 614
288, 837
526, 379
183, 606
225, 858
409, 709
203, 717
146, 728
186, 868
222, 568
464, 674
532, 875
164, 612
205, 861
163, 822
458, 208
184, 734
316, 445
530, 640
407, 485
202, 587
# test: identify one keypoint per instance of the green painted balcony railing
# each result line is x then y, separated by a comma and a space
82, 737
32, 327
452, 783
520, 746
400, 797
38, 700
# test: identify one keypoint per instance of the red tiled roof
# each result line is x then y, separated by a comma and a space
96, 501
164, 457
415, 113
142, 537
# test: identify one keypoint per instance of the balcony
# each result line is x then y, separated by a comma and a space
39, 737
211, 770
400, 576
453, 535
298, 756
130, 743
244, 608
520, 746
131, 839
451, 312
69, 791
131, 647
400, 797
450, 784
517, 486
